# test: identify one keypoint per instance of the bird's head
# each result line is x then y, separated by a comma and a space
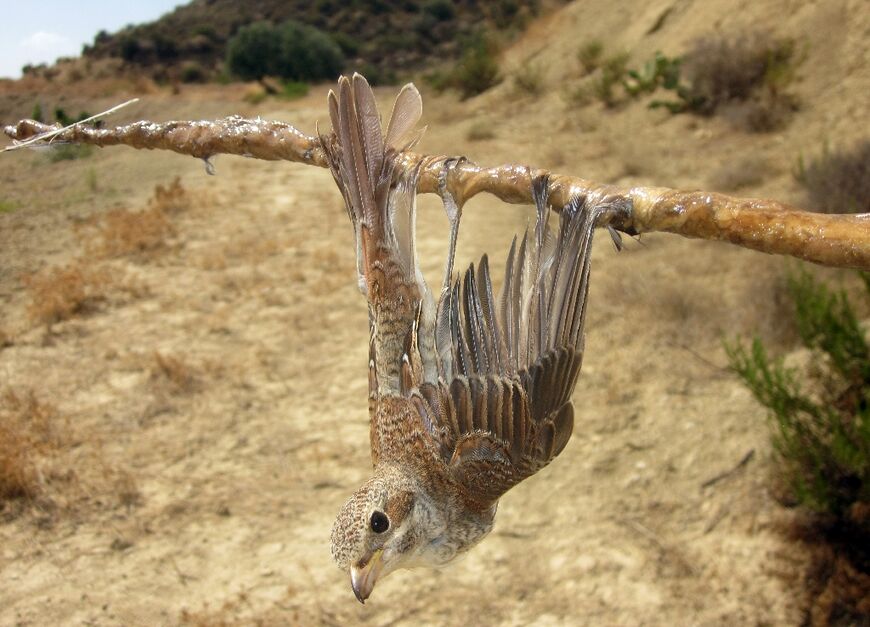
386, 525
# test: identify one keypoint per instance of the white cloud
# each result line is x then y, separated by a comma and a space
43, 41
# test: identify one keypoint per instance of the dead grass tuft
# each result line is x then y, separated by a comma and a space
30, 432
734, 175
59, 293
171, 372
838, 182
174, 198
745, 77
480, 131
123, 232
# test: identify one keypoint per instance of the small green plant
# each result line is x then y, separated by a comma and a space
529, 79
193, 72
61, 116
589, 55
7, 206
838, 182
660, 71
480, 131
822, 439
36, 114
91, 180
613, 71
292, 90
69, 152
477, 70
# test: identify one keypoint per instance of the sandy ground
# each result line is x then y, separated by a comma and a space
211, 501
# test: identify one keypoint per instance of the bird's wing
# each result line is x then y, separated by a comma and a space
379, 190
501, 406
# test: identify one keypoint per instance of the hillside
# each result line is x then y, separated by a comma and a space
383, 38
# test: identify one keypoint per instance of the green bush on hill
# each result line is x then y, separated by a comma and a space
290, 50
822, 439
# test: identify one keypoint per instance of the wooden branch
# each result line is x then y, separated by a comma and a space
764, 225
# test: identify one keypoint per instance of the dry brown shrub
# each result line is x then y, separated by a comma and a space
173, 198
30, 432
838, 181
171, 372
739, 173
124, 232
61, 292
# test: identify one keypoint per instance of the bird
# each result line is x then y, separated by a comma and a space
469, 393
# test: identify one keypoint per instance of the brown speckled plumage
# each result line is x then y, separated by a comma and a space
467, 396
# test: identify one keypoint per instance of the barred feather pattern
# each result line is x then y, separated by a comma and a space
501, 406
380, 198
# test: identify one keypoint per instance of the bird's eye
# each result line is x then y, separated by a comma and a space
379, 522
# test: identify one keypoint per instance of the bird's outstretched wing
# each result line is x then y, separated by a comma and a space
501, 405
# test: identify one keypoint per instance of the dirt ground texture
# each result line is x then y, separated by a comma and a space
211, 402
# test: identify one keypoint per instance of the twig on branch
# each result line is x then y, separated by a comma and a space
765, 225
52, 132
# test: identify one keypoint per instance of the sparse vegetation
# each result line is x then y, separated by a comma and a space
589, 55
529, 79
122, 232
69, 152
838, 182
477, 70
61, 292
294, 89
30, 431
173, 373
479, 131
823, 442
739, 173
7, 206
126, 232
745, 77
821, 424
612, 73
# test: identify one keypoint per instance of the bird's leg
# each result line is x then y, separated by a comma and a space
454, 213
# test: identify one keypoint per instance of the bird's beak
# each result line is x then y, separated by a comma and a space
363, 579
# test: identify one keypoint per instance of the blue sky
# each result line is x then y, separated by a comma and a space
39, 32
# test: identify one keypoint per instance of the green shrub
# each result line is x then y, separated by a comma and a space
590, 55
441, 10
291, 50
60, 115
477, 70
294, 89
193, 72
252, 51
529, 79
822, 439
748, 68
612, 72
838, 182
69, 152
